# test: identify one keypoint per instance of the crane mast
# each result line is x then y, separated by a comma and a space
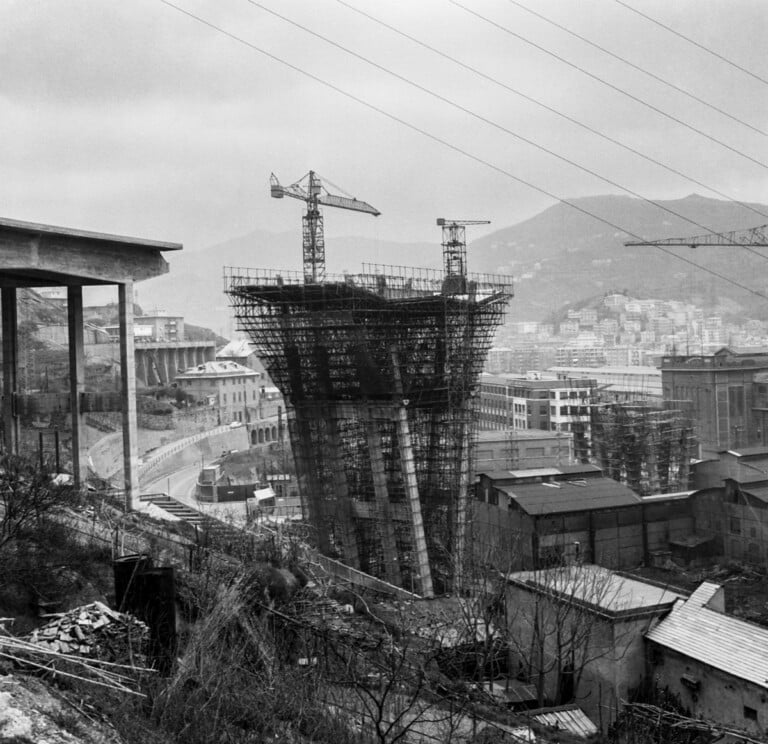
310, 190
455, 250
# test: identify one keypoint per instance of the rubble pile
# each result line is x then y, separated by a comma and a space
95, 631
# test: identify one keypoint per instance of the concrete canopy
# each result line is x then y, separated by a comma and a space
38, 255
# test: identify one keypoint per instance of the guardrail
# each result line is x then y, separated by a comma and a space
169, 450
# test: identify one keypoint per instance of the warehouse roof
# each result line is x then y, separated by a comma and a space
603, 589
562, 497
734, 646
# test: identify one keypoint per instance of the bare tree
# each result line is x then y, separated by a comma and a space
558, 626
27, 494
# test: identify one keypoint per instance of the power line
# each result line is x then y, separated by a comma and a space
448, 145
695, 43
650, 74
483, 119
609, 85
555, 111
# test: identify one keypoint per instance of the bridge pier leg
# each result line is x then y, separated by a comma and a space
128, 394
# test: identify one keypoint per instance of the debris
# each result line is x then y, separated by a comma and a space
95, 631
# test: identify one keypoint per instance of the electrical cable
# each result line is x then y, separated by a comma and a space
652, 75
609, 85
449, 145
486, 120
695, 43
555, 111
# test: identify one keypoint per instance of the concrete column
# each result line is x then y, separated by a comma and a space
410, 483
77, 383
128, 395
344, 514
384, 522
10, 369
166, 366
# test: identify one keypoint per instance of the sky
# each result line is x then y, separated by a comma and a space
136, 118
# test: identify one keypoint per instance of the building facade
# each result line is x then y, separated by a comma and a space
727, 392
235, 390
715, 662
517, 403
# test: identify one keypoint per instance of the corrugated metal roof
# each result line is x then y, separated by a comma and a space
734, 646
569, 718
538, 499
598, 586
760, 492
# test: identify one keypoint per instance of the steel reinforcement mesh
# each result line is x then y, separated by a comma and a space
349, 356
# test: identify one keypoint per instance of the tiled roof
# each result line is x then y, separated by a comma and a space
562, 497
217, 369
734, 646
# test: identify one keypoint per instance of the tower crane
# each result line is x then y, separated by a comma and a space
309, 188
455, 245
754, 237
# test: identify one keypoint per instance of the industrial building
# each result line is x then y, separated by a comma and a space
727, 394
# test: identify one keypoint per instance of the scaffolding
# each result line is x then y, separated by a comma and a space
379, 374
648, 447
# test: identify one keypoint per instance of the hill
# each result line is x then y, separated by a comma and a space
194, 286
565, 256
559, 256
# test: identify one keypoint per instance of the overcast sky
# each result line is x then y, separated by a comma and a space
131, 117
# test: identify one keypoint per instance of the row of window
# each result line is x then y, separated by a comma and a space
239, 397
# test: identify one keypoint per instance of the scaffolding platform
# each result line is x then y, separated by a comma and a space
379, 374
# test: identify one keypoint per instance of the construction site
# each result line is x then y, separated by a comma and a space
645, 446
379, 374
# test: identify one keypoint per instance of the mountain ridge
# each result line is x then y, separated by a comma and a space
560, 255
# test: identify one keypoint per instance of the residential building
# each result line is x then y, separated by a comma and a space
618, 382
716, 663
526, 403
153, 328
234, 389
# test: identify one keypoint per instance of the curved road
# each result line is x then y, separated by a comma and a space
178, 485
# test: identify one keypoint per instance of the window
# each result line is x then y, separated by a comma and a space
224, 398
735, 525
750, 713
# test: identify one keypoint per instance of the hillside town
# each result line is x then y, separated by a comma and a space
267, 477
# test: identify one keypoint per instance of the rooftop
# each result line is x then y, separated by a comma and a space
216, 369
598, 587
538, 499
734, 646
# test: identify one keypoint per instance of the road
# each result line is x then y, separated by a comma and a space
178, 485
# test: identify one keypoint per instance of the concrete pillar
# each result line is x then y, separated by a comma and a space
77, 383
410, 483
166, 366
381, 493
10, 369
128, 395
344, 514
